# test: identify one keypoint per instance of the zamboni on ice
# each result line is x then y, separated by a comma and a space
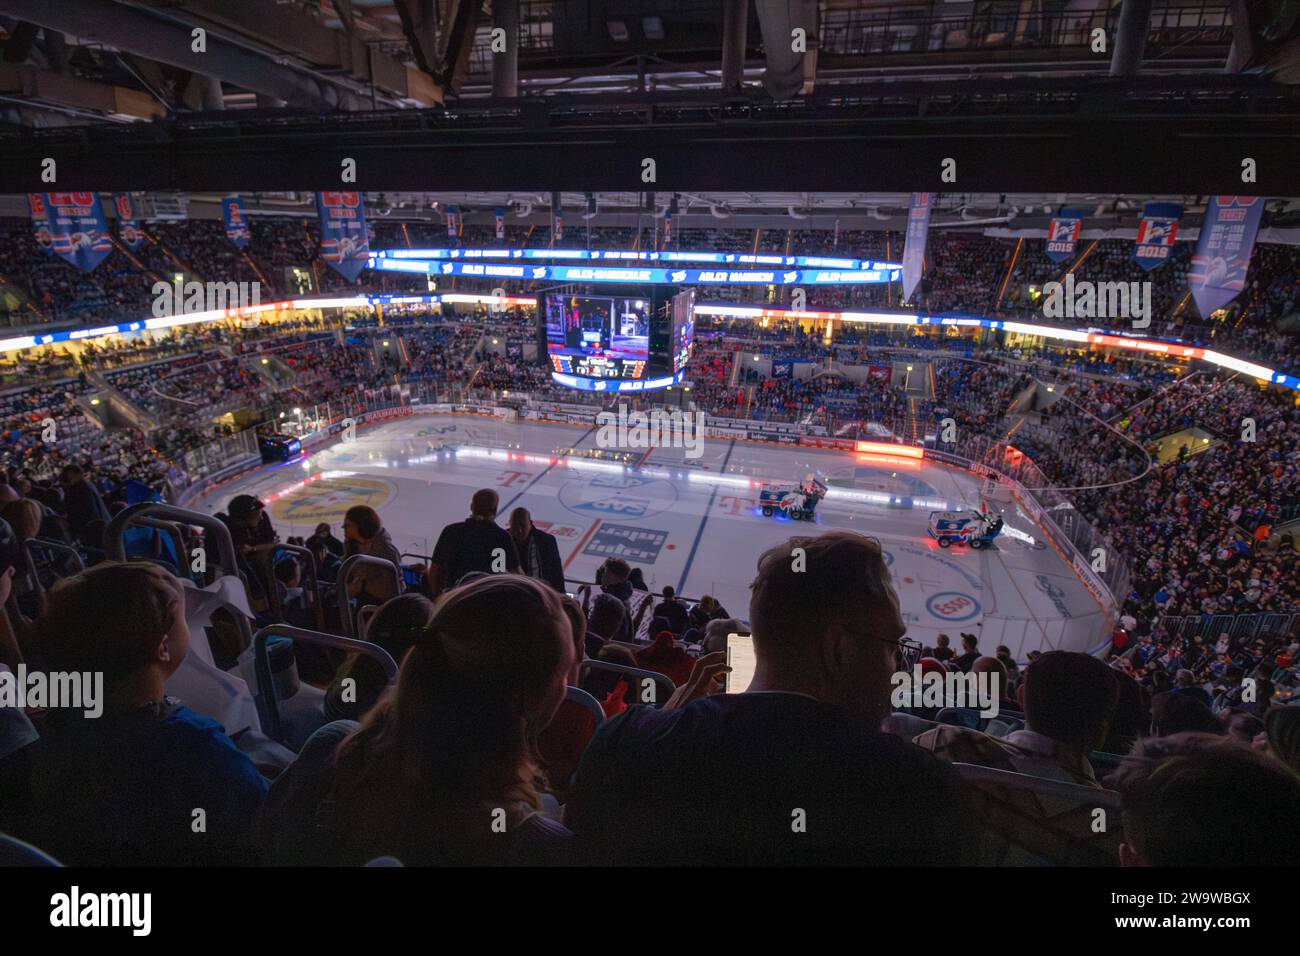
974, 528
799, 503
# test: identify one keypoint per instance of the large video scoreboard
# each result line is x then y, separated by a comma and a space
629, 340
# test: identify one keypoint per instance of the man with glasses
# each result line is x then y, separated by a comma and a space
793, 768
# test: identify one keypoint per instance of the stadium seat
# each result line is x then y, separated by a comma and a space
577, 695
14, 852
1032, 821
348, 611
663, 686
291, 722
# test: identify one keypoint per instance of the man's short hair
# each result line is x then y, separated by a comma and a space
842, 580
484, 503
1070, 697
1182, 713
109, 618
618, 567
1221, 806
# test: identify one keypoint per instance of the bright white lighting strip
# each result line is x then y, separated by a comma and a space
1100, 337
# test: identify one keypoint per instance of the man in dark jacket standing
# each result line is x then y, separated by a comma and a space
475, 544
539, 553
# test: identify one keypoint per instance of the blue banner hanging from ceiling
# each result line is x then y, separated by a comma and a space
500, 215
1063, 235
128, 223
77, 228
237, 228
1218, 273
1156, 232
918, 227
41, 223
344, 243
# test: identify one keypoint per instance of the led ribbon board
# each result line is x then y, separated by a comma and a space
617, 385
652, 276
628, 255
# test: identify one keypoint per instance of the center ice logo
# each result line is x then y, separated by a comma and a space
619, 496
328, 499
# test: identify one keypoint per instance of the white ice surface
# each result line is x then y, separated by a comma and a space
690, 523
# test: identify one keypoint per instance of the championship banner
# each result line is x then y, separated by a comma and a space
1063, 235
557, 225
344, 244
78, 229
668, 229
41, 223
918, 227
501, 222
1156, 232
453, 221
1223, 251
237, 229
128, 225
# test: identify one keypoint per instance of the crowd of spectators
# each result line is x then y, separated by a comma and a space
518, 730
501, 648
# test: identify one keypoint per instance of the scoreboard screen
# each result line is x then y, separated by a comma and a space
597, 336
637, 339
683, 313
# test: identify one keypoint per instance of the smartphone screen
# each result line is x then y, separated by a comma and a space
740, 658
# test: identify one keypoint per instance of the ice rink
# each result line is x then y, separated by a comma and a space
693, 524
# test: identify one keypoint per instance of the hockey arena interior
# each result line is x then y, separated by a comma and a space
523, 493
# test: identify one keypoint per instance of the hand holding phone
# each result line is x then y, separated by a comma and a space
703, 677
741, 663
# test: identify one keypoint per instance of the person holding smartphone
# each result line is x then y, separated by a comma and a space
790, 766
